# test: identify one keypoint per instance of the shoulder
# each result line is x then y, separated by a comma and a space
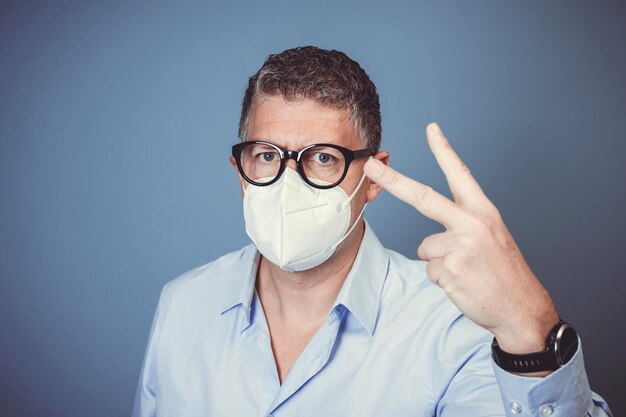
204, 284
435, 329
408, 280
426, 305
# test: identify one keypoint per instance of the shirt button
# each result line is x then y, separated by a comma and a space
545, 410
515, 407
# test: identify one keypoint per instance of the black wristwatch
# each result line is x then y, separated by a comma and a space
561, 345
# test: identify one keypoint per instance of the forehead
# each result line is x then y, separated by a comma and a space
296, 124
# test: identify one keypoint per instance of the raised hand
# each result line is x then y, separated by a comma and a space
476, 260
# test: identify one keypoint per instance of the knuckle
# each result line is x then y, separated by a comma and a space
430, 271
464, 168
444, 283
450, 265
422, 251
466, 242
392, 177
450, 288
435, 274
429, 267
493, 212
479, 227
425, 196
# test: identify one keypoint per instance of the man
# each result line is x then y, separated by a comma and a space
316, 318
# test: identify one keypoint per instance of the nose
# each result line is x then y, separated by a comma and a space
292, 164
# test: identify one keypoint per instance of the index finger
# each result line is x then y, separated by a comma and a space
425, 200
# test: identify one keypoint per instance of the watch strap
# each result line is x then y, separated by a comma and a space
530, 362
561, 344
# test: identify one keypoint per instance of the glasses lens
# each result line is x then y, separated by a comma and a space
323, 164
260, 162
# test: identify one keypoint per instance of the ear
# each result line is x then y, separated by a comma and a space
374, 189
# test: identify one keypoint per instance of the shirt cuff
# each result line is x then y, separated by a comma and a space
565, 392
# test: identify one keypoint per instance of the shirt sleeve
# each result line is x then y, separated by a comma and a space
563, 393
463, 378
479, 387
145, 396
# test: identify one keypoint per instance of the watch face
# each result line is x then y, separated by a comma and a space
567, 342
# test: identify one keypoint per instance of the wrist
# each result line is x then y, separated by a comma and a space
528, 336
559, 347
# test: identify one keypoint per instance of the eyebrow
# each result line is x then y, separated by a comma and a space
263, 146
301, 145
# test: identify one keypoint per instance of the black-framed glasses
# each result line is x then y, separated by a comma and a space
321, 165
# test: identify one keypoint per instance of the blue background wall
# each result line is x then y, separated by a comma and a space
116, 122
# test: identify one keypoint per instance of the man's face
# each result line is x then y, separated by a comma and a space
294, 125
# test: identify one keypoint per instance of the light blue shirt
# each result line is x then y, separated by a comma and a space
392, 345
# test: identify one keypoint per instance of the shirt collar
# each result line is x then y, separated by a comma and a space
239, 289
360, 292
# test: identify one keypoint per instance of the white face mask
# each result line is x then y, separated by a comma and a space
294, 225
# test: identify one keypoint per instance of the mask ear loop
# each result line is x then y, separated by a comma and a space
358, 217
332, 248
344, 205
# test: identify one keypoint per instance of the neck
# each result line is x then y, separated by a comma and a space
305, 298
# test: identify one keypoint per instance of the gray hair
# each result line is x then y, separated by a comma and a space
329, 77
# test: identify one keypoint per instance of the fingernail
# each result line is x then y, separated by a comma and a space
373, 167
436, 128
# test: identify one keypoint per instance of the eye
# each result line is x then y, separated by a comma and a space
268, 156
323, 158
265, 156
